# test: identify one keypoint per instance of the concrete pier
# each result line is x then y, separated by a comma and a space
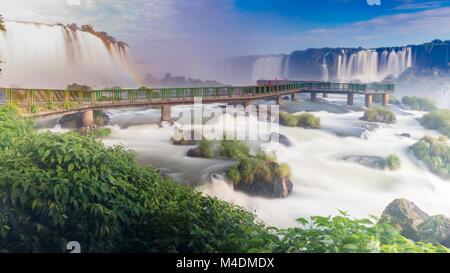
294, 96
385, 100
279, 99
165, 112
88, 118
350, 98
369, 98
313, 96
325, 95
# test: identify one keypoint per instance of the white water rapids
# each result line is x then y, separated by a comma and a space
323, 183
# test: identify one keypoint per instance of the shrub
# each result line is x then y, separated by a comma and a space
261, 167
100, 133
287, 119
437, 120
392, 162
206, 148
419, 103
435, 154
234, 149
307, 120
379, 114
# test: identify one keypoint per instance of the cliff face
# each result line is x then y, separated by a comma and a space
348, 63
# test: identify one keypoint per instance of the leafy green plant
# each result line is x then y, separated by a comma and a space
234, 149
379, 114
206, 148
34, 108
392, 162
100, 133
437, 120
307, 120
419, 103
435, 153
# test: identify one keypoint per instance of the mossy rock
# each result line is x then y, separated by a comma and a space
405, 216
435, 229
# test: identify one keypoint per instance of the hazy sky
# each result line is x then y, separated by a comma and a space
181, 35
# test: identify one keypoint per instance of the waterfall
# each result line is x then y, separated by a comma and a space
368, 65
442, 97
267, 67
286, 67
325, 76
53, 56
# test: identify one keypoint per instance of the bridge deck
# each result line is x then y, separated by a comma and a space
76, 100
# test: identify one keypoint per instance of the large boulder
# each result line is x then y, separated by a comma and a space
278, 188
405, 216
435, 229
282, 139
374, 162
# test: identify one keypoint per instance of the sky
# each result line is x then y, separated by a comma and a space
180, 36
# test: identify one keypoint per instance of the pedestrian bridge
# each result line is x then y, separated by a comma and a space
46, 103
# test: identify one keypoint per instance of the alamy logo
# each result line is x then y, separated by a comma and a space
233, 122
74, 246
373, 2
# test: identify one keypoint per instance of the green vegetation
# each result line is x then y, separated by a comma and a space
234, 149
377, 98
55, 188
419, 103
261, 167
437, 120
206, 148
34, 108
100, 133
435, 153
392, 162
305, 120
379, 114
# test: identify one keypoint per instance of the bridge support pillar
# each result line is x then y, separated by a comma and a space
385, 100
165, 112
88, 118
313, 96
325, 95
246, 103
279, 99
369, 98
350, 98
294, 96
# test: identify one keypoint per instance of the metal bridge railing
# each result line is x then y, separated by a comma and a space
70, 98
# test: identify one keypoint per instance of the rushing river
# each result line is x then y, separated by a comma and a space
323, 183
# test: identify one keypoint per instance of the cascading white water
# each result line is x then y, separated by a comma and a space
286, 67
267, 67
53, 56
325, 76
442, 97
369, 65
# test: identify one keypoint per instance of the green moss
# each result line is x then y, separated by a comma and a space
379, 114
305, 120
234, 149
206, 147
435, 153
392, 162
437, 120
261, 167
419, 103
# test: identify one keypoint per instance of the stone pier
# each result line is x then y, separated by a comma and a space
313, 96
325, 95
88, 118
294, 96
385, 100
350, 98
279, 99
165, 112
246, 103
369, 98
